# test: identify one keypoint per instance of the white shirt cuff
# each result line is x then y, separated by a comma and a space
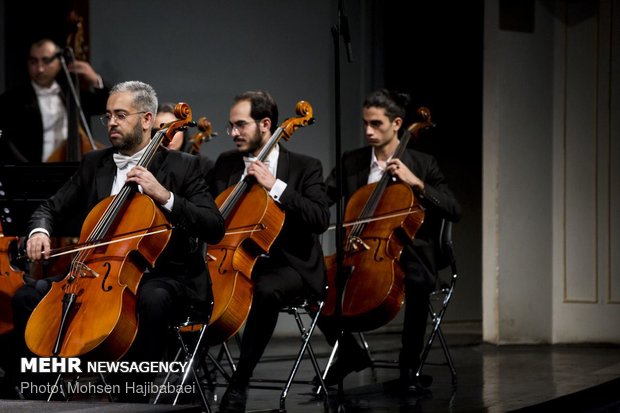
34, 231
168, 205
277, 190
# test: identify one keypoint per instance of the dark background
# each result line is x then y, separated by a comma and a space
432, 50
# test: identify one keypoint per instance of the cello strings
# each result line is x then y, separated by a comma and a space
111, 211
241, 187
377, 193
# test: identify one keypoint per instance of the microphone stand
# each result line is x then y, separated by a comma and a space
340, 29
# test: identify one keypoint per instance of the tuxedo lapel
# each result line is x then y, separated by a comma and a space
158, 166
413, 166
363, 167
283, 165
105, 177
237, 167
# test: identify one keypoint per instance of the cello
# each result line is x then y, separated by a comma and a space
205, 135
10, 281
253, 221
379, 218
91, 313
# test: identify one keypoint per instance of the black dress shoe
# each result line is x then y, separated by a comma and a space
234, 399
343, 366
416, 385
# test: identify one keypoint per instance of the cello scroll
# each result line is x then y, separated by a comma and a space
205, 135
289, 126
425, 123
183, 113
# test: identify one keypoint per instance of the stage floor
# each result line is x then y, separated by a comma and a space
490, 378
528, 378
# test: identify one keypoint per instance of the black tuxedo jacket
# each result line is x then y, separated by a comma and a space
438, 202
22, 125
304, 202
194, 215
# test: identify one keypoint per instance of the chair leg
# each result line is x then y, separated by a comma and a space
190, 366
436, 332
366, 347
446, 353
226, 350
167, 378
305, 336
60, 385
330, 362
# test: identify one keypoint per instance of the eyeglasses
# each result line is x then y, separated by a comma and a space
120, 117
240, 125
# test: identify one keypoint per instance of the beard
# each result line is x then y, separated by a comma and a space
131, 140
255, 141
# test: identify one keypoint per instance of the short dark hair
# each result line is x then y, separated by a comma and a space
40, 42
166, 107
394, 103
262, 106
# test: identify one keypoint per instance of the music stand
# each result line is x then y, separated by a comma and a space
24, 187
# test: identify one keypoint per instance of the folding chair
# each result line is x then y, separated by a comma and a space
312, 309
441, 297
438, 304
191, 336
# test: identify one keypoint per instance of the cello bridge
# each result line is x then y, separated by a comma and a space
86, 271
357, 242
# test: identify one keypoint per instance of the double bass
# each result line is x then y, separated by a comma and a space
253, 221
91, 313
378, 219
10, 280
80, 139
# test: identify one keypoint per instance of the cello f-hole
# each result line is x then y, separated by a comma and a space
220, 268
377, 256
105, 277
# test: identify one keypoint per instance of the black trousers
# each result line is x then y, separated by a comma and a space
275, 286
414, 328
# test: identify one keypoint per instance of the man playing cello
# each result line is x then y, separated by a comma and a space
179, 281
383, 115
294, 267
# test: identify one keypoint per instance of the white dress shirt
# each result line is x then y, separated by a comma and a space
377, 168
53, 117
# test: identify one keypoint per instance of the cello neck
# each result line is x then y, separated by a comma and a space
373, 200
371, 204
163, 137
243, 185
285, 130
